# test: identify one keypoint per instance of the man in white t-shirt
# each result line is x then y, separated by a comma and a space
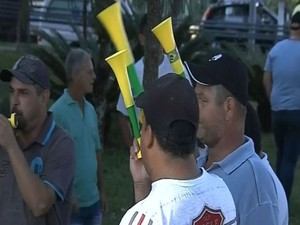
181, 194
163, 68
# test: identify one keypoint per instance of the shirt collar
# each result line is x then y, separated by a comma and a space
47, 130
67, 97
237, 157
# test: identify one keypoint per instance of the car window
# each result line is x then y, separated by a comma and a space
230, 13
264, 17
240, 10
64, 10
239, 14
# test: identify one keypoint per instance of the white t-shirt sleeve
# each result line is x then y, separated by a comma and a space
164, 68
121, 106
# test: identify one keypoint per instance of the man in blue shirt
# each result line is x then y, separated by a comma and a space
37, 158
77, 116
221, 88
282, 85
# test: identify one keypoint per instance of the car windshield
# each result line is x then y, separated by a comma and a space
66, 11
231, 13
239, 14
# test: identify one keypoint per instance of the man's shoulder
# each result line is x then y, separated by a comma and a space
254, 167
89, 105
280, 45
59, 135
58, 104
254, 177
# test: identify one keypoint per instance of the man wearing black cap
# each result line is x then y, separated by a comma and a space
181, 193
37, 161
282, 85
222, 92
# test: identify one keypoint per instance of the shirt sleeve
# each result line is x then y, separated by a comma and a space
134, 217
121, 106
96, 131
266, 214
268, 64
59, 165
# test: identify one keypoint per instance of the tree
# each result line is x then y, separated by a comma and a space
154, 16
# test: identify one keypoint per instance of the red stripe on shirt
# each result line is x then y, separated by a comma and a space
141, 219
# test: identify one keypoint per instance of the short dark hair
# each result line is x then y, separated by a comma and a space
252, 127
171, 109
181, 139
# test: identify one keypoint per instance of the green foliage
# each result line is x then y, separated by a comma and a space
4, 99
55, 53
6, 62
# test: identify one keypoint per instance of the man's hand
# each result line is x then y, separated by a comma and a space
141, 179
7, 137
137, 168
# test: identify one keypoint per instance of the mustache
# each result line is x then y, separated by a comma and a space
17, 111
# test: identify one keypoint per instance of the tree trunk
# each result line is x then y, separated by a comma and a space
84, 17
152, 44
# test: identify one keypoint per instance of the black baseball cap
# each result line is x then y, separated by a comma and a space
28, 69
222, 69
295, 21
170, 98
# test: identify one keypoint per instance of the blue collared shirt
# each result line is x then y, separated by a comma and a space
82, 125
250, 183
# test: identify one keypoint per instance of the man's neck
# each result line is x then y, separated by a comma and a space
179, 169
295, 35
222, 150
76, 95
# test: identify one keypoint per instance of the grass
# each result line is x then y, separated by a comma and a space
294, 206
116, 170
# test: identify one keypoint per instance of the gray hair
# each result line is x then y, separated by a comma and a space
221, 94
74, 63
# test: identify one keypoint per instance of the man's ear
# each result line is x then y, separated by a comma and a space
46, 96
149, 136
229, 106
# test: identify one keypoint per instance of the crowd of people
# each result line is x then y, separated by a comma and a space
51, 163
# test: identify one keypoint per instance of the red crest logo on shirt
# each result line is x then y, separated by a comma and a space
209, 216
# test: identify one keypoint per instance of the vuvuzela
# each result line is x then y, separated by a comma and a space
164, 34
111, 19
117, 62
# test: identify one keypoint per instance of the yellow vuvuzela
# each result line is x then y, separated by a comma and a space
118, 64
111, 19
164, 34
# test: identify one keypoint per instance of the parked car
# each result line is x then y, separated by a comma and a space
66, 18
231, 21
9, 14
62, 16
